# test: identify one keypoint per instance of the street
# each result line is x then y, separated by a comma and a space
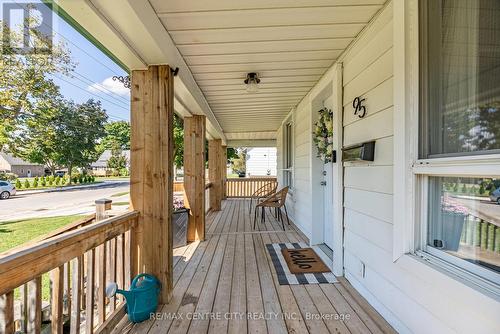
60, 203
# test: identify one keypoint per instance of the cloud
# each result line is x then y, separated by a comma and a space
109, 85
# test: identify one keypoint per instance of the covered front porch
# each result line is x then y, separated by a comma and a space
228, 284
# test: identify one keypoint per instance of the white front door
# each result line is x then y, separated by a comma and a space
328, 204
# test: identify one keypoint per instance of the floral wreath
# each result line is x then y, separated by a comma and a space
323, 135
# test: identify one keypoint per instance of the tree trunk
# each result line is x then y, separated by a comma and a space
70, 167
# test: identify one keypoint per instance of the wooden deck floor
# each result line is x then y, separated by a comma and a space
227, 284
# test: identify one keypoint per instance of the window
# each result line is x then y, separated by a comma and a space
459, 136
288, 154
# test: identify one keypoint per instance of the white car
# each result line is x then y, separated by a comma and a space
6, 190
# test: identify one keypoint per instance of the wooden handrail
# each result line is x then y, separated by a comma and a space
34, 260
81, 258
245, 187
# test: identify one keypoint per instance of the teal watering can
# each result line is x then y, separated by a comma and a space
142, 299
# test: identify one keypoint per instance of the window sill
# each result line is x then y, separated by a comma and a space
467, 278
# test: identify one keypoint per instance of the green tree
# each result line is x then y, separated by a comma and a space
232, 154
117, 135
80, 128
178, 141
117, 161
38, 140
25, 83
239, 164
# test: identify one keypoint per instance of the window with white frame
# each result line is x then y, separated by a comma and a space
288, 154
458, 170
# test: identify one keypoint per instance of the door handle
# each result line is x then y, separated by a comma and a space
323, 183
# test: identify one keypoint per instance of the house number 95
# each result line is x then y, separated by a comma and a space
359, 108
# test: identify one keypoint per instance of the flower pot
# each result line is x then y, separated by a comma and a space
453, 224
180, 219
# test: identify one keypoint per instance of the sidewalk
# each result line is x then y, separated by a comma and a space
97, 185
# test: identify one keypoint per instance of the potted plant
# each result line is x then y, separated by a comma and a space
180, 219
453, 218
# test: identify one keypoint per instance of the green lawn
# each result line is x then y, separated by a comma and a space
17, 232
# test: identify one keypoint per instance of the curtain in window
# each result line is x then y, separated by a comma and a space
464, 73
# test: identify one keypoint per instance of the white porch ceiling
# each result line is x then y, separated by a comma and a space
215, 43
289, 43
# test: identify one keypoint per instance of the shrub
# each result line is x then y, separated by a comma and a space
464, 188
26, 184
481, 189
80, 179
57, 180
75, 179
455, 187
18, 184
35, 183
93, 178
43, 183
7, 176
51, 181
36, 179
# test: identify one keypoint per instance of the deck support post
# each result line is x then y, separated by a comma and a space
151, 173
214, 173
194, 175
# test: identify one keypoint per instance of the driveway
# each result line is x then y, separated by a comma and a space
60, 203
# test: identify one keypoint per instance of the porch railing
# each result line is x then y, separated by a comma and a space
80, 263
245, 187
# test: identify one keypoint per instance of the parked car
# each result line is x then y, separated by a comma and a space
495, 195
60, 173
6, 190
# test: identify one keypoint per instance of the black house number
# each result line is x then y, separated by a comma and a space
359, 108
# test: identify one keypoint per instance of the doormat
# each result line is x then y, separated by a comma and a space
303, 261
285, 275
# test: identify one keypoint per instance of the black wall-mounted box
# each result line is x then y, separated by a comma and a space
364, 152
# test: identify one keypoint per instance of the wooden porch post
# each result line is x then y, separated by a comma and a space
151, 181
194, 175
223, 171
214, 173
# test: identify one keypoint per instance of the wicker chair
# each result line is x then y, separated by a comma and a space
263, 192
276, 201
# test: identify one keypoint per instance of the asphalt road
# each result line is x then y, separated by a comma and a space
60, 203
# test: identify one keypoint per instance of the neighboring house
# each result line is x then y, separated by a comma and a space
100, 167
261, 161
20, 167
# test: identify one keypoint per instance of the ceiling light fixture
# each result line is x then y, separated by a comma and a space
251, 81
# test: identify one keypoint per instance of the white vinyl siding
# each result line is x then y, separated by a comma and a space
412, 295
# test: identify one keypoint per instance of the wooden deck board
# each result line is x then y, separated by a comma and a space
228, 284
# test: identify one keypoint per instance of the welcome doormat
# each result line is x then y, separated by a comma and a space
303, 261
284, 273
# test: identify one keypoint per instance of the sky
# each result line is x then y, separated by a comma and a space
92, 77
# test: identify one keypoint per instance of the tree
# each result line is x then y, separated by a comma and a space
178, 141
25, 83
80, 128
117, 136
117, 161
239, 164
232, 154
37, 139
